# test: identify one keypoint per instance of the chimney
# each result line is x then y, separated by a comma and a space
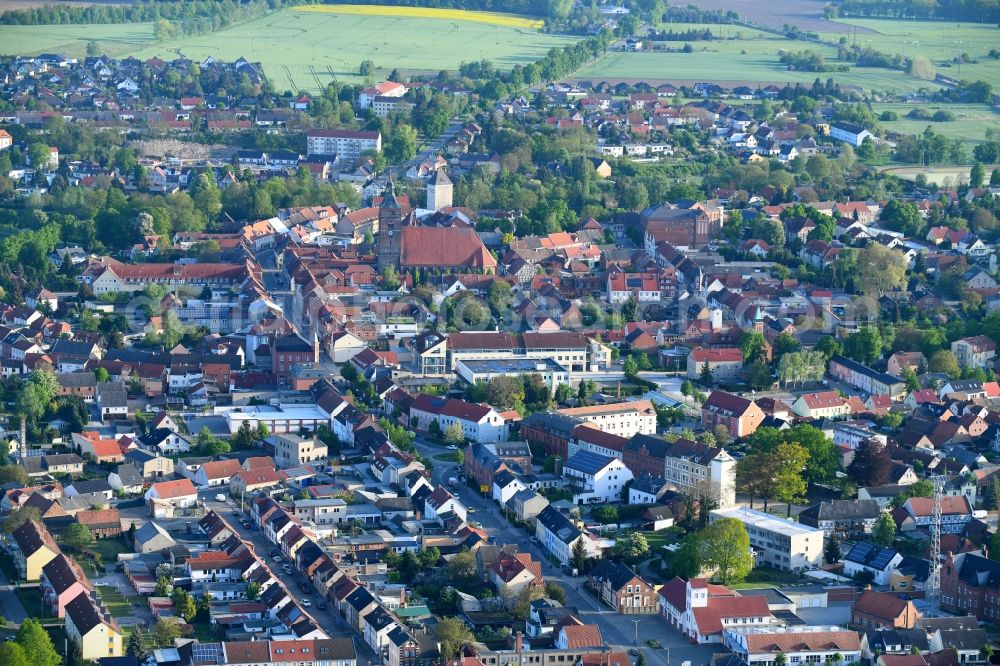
518, 643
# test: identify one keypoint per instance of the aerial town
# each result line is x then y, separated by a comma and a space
552, 353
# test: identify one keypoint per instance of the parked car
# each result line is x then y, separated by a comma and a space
306, 603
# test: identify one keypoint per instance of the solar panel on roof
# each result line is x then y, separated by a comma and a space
883, 558
861, 551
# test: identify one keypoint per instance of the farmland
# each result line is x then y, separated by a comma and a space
938, 40
942, 175
304, 50
970, 124
753, 58
490, 18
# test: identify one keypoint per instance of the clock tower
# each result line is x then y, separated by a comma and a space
390, 218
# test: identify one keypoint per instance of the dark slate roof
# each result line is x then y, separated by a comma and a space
978, 571
842, 510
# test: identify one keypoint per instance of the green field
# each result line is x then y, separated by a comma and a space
970, 124
744, 56
940, 41
301, 50
732, 67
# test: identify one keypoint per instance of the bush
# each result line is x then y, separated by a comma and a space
888, 116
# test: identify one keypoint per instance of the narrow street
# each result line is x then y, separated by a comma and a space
328, 620
619, 631
13, 609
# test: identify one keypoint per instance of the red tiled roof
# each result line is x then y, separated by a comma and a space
880, 605
221, 469
709, 618
174, 489
444, 246
717, 355
846, 641
583, 636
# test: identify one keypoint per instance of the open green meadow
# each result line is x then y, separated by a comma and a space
730, 66
940, 41
970, 124
305, 50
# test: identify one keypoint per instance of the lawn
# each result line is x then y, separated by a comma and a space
768, 577
110, 548
117, 604
940, 41
31, 599
657, 540
942, 174
970, 124
305, 48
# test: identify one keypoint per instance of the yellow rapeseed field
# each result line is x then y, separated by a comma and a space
493, 18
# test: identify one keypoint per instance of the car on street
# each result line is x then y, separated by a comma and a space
276, 558
306, 603
634, 652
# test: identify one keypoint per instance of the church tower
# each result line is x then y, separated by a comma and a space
390, 217
439, 191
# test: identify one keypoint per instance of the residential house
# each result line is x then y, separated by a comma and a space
821, 405
596, 478
978, 351
848, 520
62, 581
880, 610
740, 417
512, 573
871, 560
558, 535
724, 363
622, 589
94, 630
34, 548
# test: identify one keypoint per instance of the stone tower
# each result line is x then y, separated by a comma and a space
390, 217
439, 191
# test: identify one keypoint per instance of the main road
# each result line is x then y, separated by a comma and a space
618, 631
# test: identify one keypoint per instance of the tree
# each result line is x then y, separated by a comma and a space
884, 530
11, 473
454, 434
253, 590
977, 175
784, 343
102, 375
166, 630
706, 377
366, 68
632, 548
505, 392
37, 644
579, 555
462, 566
630, 309
520, 605
758, 375
687, 388
136, 645
77, 537
402, 144
555, 592
184, 603
452, 635
829, 347
19, 517
790, 481
429, 557
944, 361
864, 345
563, 393
879, 269
12, 654
871, 463
38, 155
753, 346
832, 550
630, 367
725, 547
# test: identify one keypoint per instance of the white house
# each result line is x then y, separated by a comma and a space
596, 478
868, 558
798, 644
849, 133
559, 535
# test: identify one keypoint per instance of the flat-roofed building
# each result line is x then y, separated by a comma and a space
777, 542
486, 369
